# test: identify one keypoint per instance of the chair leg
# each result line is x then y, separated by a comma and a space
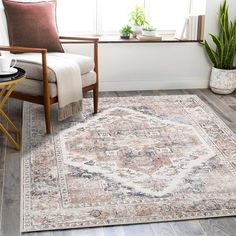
95, 99
47, 113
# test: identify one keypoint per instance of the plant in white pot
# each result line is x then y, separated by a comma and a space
223, 75
149, 31
138, 20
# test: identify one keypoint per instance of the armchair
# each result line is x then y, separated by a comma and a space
42, 90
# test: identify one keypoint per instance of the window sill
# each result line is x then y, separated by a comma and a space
116, 39
165, 39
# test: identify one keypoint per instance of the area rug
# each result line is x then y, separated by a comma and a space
139, 160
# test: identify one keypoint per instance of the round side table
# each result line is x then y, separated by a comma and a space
7, 86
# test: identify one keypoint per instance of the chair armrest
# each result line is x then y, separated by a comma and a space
43, 51
87, 39
79, 38
22, 49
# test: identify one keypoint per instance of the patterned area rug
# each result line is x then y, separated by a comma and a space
140, 160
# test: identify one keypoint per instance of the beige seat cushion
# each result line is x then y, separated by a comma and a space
35, 87
34, 70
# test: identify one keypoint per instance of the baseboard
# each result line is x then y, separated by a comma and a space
153, 85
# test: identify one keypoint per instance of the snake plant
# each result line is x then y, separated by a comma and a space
223, 55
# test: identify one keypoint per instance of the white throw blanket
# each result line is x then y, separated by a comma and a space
69, 84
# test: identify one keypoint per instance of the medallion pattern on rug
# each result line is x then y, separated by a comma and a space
140, 160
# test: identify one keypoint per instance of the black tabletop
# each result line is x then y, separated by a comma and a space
18, 75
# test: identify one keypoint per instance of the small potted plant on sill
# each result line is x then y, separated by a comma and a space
223, 74
138, 20
125, 32
149, 31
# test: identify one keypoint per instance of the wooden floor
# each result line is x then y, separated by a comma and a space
224, 106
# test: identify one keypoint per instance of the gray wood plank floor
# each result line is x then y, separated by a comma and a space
224, 106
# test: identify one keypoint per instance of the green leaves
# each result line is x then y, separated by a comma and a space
220, 50
211, 53
126, 30
137, 16
223, 56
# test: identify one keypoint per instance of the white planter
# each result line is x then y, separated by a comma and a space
149, 33
223, 81
137, 30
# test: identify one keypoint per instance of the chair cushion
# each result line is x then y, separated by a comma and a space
32, 24
34, 70
35, 87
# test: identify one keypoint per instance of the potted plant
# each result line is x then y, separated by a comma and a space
223, 74
137, 19
125, 32
149, 31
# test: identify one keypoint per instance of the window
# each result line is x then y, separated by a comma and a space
198, 7
166, 14
97, 17
76, 16
115, 13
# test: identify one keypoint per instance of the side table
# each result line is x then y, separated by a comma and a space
7, 86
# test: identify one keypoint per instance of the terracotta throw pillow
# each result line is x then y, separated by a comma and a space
32, 24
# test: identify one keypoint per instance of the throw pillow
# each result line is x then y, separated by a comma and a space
32, 24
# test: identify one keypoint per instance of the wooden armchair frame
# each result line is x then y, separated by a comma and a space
46, 100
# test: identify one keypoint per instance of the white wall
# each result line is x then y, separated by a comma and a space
156, 65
